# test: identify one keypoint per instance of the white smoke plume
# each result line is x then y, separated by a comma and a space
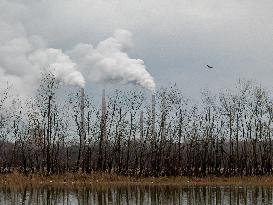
23, 56
59, 64
22, 60
108, 62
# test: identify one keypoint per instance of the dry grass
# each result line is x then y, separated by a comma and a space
104, 179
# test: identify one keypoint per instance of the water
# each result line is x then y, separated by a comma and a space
138, 195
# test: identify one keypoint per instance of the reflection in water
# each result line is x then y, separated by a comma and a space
138, 195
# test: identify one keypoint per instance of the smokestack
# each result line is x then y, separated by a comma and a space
153, 116
103, 115
82, 128
163, 116
82, 115
141, 125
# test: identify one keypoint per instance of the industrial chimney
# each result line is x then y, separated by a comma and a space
163, 116
103, 115
141, 125
103, 133
153, 117
82, 128
82, 125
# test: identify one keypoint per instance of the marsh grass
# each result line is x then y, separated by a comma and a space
79, 179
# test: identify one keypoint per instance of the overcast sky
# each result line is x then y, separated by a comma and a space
176, 39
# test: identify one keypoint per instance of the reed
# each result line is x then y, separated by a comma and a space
103, 179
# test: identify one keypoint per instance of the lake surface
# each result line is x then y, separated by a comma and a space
138, 195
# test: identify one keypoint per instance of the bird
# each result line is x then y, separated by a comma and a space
209, 66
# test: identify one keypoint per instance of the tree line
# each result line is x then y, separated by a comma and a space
138, 134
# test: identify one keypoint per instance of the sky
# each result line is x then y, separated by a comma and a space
156, 42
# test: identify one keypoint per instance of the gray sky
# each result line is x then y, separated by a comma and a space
176, 39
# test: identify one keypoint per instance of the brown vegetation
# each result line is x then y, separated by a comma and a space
104, 179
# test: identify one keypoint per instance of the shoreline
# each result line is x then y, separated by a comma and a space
105, 179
